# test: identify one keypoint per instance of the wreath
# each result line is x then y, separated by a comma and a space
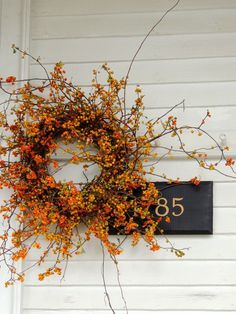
55, 210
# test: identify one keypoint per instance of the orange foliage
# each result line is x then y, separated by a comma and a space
66, 113
56, 110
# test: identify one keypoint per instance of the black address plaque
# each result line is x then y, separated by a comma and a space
189, 207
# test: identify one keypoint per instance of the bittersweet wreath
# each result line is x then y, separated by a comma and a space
55, 113
43, 115
56, 209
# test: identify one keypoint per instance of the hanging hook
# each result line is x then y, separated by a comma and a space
223, 140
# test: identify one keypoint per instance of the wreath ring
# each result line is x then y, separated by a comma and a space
55, 210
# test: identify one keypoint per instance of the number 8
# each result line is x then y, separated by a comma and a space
162, 204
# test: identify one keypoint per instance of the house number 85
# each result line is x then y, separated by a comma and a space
163, 209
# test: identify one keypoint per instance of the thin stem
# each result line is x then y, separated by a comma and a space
142, 43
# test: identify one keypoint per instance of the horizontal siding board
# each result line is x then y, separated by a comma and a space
136, 273
224, 220
214, 298
121, 312
207, 95
75, 7
177, 22
221, 124
197, 95
224, 194
198, 247
185, 170
172, 168
156, 47
164, 71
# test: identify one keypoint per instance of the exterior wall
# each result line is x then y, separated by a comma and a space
14, 28
191, 55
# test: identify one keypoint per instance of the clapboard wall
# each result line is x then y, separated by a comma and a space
14, 28
191, 56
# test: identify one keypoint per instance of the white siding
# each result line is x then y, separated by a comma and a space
13, 29
191, 56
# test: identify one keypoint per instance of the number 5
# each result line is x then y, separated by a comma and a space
180, 206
